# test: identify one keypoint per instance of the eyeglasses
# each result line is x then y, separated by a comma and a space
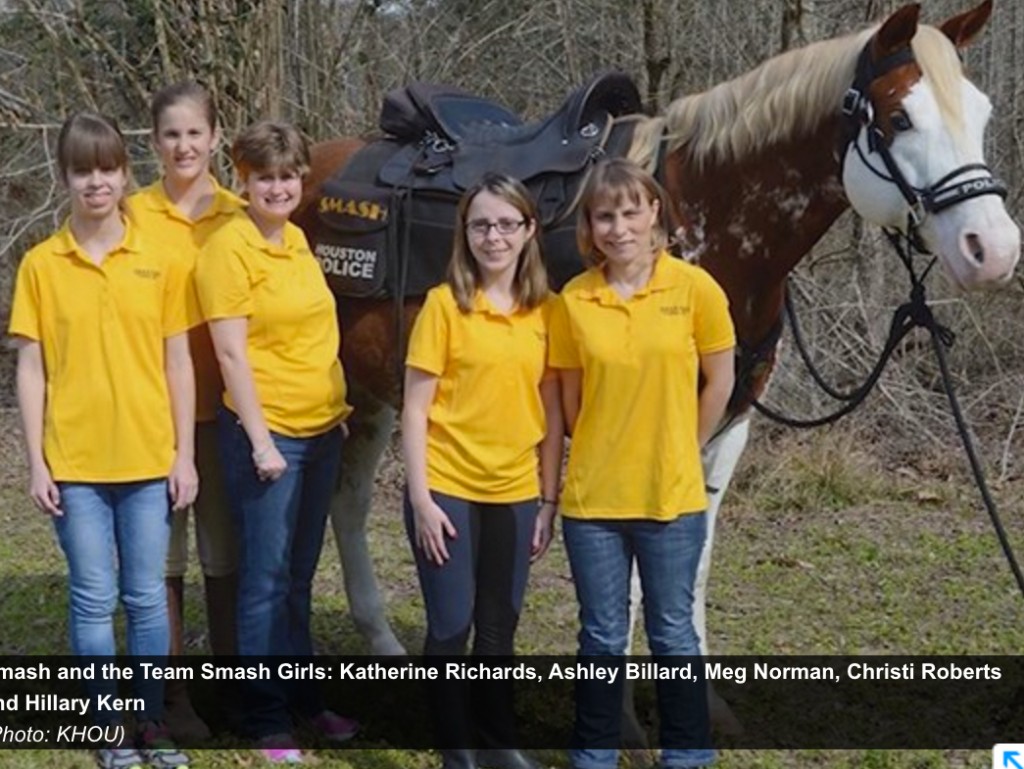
480, 228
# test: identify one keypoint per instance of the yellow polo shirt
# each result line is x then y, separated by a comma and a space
102, 329
487, 418
183, 238
293, 338
634, 449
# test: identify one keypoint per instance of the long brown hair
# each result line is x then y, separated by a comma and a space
530, 284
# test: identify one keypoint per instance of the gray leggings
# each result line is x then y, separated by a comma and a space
481, 586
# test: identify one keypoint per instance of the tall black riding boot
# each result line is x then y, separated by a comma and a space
453, 733
494, 706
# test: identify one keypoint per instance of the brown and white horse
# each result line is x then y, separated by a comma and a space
756, 171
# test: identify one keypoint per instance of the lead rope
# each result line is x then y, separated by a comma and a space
908, 316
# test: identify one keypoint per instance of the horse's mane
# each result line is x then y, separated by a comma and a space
785, 98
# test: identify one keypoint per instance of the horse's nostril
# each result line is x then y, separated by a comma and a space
974, 247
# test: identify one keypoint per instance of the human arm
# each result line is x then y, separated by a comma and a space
230, 337
431, 522
717, 371
183, 480
31, 384
551, 447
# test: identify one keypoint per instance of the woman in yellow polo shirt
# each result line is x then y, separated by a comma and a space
106, 397
632, 337
274, 329
482, 439
180, 210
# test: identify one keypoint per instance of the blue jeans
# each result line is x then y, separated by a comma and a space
114, 536
280, 528
601, 554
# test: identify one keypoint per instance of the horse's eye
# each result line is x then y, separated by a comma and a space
900, 121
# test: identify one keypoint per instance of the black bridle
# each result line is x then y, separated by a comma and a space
858, 113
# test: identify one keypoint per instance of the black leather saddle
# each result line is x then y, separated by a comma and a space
453, 137
388, 217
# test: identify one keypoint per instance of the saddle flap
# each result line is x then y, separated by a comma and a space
352, 246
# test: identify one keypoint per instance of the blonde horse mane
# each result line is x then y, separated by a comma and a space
787, 97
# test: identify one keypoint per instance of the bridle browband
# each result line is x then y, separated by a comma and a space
858, 113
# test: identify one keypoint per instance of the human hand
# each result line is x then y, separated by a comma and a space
182, 483
432, 526
270, 465
543, 530
43, 491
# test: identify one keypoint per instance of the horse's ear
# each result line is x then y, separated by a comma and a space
962, 29
898, 30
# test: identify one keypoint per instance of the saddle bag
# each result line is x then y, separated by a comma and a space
354, 242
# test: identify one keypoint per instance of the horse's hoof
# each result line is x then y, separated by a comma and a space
633, 734
723, 720
640, 758
387, 646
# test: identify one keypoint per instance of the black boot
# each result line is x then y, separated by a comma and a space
494, 706
458, 759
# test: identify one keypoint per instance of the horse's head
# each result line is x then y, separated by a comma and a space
915, 160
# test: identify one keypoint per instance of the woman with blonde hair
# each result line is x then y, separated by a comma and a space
482, 441
180, 210
644, 346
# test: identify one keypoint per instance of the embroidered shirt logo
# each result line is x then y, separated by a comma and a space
148, 274
674, 309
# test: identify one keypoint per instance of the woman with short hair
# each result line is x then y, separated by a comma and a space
274, 329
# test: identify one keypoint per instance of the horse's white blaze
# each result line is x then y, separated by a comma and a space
976, 240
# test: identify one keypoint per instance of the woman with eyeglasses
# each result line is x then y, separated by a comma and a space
482, 441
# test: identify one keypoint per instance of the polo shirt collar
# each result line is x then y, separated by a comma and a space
482, 304
224, 201
67, 245
595, 286
292, 236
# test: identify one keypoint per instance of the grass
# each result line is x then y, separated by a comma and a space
820, 549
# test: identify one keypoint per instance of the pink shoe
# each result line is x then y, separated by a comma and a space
280, 749
334, 727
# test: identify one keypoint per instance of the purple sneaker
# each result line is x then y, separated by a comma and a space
334, 727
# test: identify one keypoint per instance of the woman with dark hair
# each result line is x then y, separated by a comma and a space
107, 405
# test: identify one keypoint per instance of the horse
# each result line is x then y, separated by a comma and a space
757, 168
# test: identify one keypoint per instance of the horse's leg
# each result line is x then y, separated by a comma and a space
719, 458
371, 431
633, 734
